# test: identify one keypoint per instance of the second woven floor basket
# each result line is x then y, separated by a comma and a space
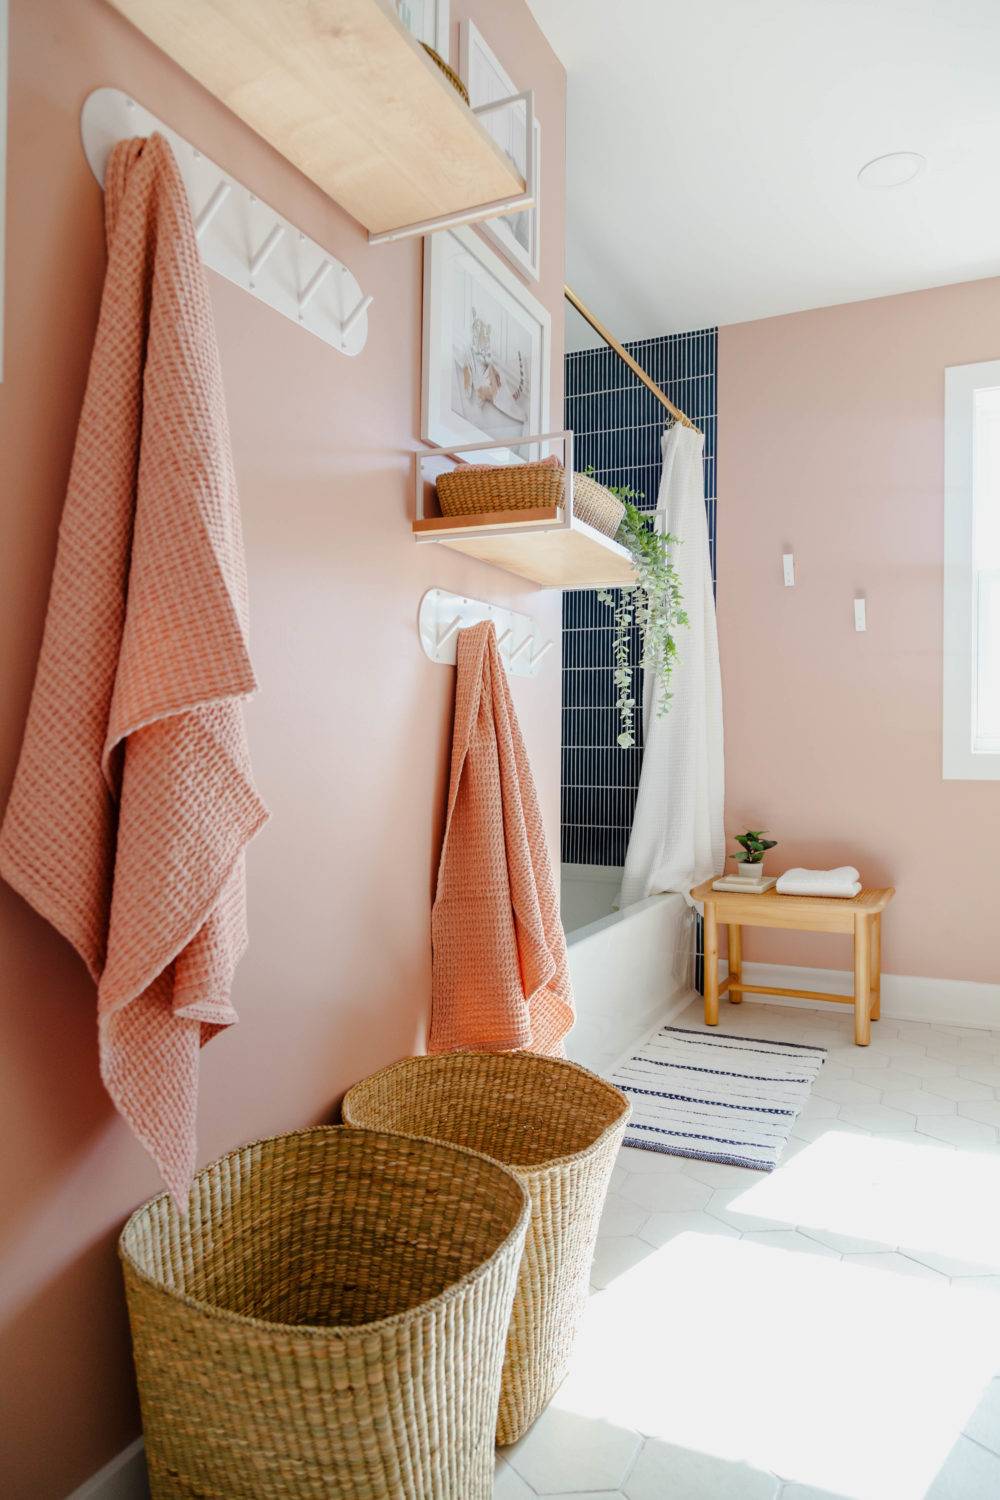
558, 1127
328, 1320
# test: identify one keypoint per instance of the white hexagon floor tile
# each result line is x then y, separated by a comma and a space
849, 1092
986, 1111
959, 1089
892, 1262
984, 1424
844, 1244
951, 1265
724, 1204
674, 1192
970, 1472
663, 1470
877, 1118
790, 1239
919, 1102
889, 1081
566, 1451
621, 1217
613, 1257
957, 1131
807, 1492
660, 1229
508, 1484
981, 1073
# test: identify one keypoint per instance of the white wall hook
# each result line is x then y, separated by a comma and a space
443, 615
313, 285
355, 314
237, 233
259, 260
211, 208
449, 630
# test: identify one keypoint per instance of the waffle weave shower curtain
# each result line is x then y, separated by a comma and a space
677, 834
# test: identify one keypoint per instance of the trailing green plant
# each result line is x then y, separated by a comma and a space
653, 605
753, 846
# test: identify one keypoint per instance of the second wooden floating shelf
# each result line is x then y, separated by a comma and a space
534, 545
342, 90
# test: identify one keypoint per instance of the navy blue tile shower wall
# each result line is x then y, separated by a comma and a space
617, 424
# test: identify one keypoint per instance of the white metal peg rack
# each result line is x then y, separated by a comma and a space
241, 237
443, 615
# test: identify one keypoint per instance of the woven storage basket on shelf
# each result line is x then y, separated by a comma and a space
448, 71
479, 489
328, 1320
559, 1128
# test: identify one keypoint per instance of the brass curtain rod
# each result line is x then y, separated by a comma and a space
623, 354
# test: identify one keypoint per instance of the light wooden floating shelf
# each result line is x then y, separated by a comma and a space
342, 90
559, 557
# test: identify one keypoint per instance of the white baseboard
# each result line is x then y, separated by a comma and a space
905, 997
123, 1478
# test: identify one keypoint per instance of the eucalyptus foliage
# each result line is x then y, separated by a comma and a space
653, 604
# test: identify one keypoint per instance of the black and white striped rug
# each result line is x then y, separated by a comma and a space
721, 1098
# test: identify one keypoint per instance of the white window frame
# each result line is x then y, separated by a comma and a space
960, 761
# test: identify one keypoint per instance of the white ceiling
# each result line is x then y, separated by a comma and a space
713, 150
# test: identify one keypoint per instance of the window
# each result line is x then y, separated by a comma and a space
972, 572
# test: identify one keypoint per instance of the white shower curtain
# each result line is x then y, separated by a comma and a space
677, 835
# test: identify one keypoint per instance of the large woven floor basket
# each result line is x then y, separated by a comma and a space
327, 1321
559, 1128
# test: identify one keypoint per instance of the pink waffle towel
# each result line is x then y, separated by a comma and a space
501, 974
133, 800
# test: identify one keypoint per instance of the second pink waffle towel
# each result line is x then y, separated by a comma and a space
133, 800
501, 974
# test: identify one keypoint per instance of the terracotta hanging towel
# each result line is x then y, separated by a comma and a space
501, 974
133, 800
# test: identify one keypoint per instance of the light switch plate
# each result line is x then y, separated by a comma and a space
788, 568
860, 615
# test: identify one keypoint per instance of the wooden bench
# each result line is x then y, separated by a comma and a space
859, 915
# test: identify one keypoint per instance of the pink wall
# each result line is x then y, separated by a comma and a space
349, 733
831, 445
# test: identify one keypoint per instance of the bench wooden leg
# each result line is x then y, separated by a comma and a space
876, 975
862, 980
711, 965
735, 962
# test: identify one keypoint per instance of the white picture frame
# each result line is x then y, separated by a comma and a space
428, 21
487, 346
517, 235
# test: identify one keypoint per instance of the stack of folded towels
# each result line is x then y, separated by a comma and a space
844, 881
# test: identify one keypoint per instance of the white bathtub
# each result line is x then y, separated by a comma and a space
631, 969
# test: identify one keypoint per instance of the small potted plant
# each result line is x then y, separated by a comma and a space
750, 855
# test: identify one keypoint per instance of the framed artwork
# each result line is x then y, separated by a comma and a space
486, 348
517, 236
427, 20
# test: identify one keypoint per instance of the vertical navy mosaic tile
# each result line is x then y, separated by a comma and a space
617, 424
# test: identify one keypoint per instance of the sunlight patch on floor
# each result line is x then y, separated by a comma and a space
918, 1196
853, 1380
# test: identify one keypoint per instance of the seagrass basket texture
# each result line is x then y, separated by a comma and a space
558, 1127
481, 489
328, 1320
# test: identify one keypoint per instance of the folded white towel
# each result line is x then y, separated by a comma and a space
843, 881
